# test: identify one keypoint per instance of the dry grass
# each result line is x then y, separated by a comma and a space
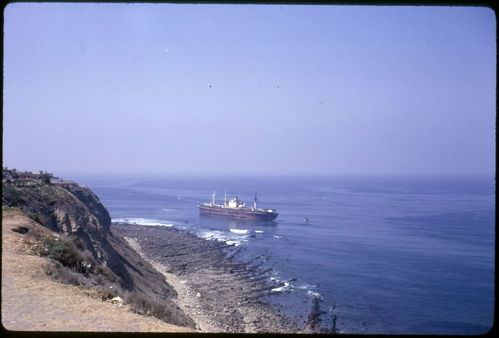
33, 301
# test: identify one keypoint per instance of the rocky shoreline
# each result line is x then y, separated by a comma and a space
219, 293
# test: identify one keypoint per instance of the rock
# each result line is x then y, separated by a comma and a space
117, 300
198, 295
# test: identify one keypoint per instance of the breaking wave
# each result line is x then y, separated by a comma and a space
281, 285
285, 286
222, 236
314, 294
239, 231
169, 210
281, 288
143, 221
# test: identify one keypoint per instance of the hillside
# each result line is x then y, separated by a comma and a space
65, 227
33, 301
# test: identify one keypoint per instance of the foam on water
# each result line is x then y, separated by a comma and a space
216, 235
235, 243
221, 236
259, 231
143, 221
239, 231
285, 287
305, 286
314, 294
169, 210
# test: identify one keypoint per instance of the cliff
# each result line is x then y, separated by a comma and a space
82, 247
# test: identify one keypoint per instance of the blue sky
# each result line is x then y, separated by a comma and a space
249, 89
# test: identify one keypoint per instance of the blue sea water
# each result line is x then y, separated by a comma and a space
396, 255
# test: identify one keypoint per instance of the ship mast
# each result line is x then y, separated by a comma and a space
225, 198
254, 202
213, 198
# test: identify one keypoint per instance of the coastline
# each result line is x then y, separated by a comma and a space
217, 292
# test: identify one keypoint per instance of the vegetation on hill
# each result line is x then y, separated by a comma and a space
81, 247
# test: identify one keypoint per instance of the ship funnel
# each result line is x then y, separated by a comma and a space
254, 202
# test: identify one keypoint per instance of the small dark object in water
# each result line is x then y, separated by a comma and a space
186, 221
306, 219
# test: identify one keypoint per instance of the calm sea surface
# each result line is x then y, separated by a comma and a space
395, 255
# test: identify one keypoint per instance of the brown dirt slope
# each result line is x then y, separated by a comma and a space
32, 301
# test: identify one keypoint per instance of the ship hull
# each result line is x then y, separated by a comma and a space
235, 213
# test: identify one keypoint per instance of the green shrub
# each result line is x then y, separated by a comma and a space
64, 274
164, 310
139, 303
35, 217
66, 252
106, 273
7, 209
105, 293
11, 196
146, 305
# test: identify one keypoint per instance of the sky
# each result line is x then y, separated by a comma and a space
249, 89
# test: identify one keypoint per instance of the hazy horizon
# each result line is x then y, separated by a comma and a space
160, 176
258, 90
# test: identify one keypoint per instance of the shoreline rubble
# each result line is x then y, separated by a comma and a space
219, 293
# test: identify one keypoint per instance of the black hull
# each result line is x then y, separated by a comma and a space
240, 214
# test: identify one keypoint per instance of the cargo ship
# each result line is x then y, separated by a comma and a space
237, 209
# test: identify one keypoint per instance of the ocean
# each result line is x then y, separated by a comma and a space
393, 255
